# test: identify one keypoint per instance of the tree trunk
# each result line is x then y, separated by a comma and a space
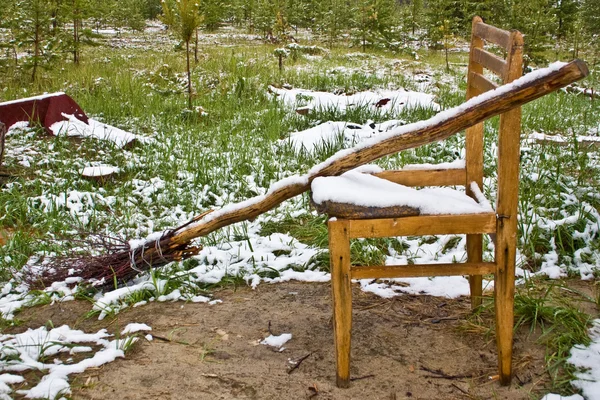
196, 48
75, 40
447, 63
36, 51
189, 75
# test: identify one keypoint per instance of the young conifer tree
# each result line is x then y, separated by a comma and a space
213, 13
78, 11
183, 17
31, 27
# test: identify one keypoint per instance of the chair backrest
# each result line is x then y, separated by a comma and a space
507, 69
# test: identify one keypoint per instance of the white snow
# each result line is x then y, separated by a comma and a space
255, 257
33, 98
94, 129
328, 132
38, 349
552, 396
456, 164
369, 191
396, 99
587, 360
542, 137
277, 341
135, 327
99, 170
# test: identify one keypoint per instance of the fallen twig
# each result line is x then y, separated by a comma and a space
439, 374
298, 362
358, 378
461, 389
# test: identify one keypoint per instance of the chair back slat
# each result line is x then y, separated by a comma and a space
492, 34
490, 61
480, 83
507, 70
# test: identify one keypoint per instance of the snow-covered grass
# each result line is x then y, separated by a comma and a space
238, 143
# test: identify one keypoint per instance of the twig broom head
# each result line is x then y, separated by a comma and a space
121, 263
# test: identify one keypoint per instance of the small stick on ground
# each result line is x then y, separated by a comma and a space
442, 375
358, 378
298, 362
461, 389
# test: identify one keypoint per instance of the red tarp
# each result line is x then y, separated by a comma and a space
44, 110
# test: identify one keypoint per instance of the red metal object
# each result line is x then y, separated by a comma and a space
44, 110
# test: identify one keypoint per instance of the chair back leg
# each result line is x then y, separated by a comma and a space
339, 250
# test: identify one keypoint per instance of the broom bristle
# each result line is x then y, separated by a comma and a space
121, 263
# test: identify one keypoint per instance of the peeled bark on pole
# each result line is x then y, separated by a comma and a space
439, 127
175, 244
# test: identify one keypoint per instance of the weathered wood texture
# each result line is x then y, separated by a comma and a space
492, 34
506, 232
409, 271
481, 83
353, 211
423, 225
490, 61
425, 177
438, 128
339, 249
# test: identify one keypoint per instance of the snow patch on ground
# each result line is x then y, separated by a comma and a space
277, 341
51, 351
135, 327
587, 359
94, 129
384, 100
327, 133
99, 170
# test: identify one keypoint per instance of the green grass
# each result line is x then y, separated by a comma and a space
549, 310
197, 162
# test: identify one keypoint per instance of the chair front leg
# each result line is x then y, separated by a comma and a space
339, 250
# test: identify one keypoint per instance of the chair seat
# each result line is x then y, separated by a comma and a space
357, 195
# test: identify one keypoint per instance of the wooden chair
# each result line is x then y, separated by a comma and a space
364, 219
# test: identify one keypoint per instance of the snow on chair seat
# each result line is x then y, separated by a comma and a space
360, 196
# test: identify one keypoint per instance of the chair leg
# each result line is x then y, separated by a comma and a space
339, 250
504, 288
475, 254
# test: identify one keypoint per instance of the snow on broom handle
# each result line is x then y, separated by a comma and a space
123, 264
443, 125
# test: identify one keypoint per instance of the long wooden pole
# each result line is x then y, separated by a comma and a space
441, 126
175, 244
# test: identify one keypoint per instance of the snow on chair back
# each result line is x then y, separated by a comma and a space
44, 110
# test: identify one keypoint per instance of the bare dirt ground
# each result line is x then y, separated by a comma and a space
409, 347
